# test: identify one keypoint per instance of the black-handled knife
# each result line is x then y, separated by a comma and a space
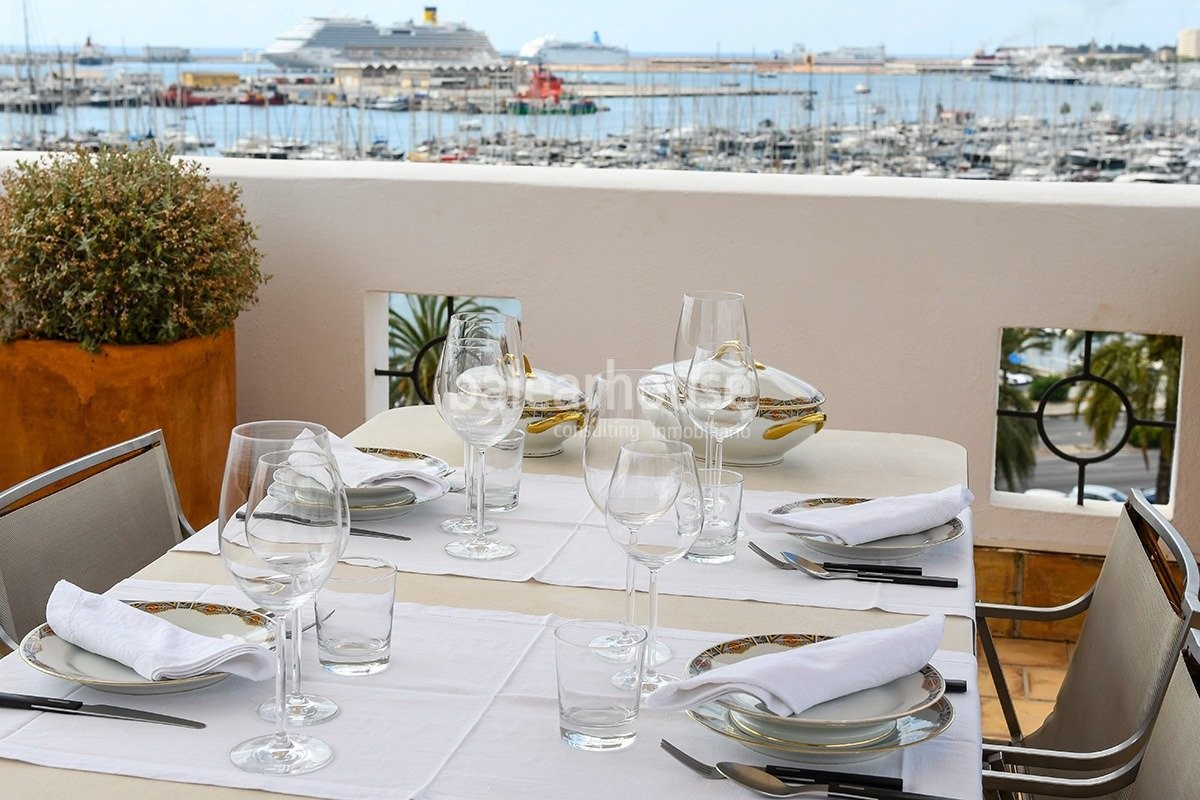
835, 566
827, 776
29, 702
911, 580
302, 520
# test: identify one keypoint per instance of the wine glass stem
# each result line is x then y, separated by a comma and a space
281, 671
709, 441
651, 625
295, 695
714, 477
630, 597
479, 503
469, 478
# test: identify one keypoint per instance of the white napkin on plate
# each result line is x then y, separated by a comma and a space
800, 678
361, 470
877, 519
146, 643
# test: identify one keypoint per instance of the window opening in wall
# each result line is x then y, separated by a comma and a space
1087, 414
417, 325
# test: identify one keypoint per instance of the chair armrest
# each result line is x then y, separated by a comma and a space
1074, 608
1109, 758
1054, 786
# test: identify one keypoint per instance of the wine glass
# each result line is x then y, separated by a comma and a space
721, 392
654, 512
247, 443
482, 325
480, 390
279, 554
627, 405
708, 316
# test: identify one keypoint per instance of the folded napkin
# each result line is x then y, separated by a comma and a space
875, 519
800, 678
151, 646
361, 470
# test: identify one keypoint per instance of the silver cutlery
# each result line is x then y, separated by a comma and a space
32, 703
786, 773
817, 571
766, 784
356, 531
834, 566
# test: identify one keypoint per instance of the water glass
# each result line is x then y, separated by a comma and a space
354, 617
596, 712
717, 543
503, 469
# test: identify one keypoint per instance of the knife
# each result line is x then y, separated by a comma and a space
302, 520
911, 580
834, 566
30, 702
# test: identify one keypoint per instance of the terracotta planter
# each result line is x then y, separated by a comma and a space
59, 402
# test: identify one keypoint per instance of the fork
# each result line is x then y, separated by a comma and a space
834, 566
817, 571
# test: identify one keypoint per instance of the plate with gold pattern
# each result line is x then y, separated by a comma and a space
44, 651
890, 549
856, 719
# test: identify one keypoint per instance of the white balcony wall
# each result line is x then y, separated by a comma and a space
887, 294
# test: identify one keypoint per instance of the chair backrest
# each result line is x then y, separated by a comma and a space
93, 521
1170, 767
1135, 627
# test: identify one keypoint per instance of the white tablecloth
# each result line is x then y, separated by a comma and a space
468, 709
561, 540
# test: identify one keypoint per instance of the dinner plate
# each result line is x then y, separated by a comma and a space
364, 511
44, 651
907, 731
890, 549
855, 719
392, 494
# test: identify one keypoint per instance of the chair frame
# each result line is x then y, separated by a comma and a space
47, 483
1122, 757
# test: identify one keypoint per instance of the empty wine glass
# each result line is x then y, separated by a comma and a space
247, 443
627, 405
709, 316
479, 325
654, 513
480, 390
721, 392
295, 525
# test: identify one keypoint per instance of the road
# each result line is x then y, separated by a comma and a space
1123, 470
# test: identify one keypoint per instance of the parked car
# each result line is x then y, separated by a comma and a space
1097, 491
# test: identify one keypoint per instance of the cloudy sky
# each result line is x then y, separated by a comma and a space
913, 27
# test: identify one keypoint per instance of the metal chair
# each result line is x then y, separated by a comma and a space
93, 521
1137, 619
1168, 767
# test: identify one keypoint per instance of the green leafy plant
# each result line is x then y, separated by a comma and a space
428, 318
1042, 383
122, 246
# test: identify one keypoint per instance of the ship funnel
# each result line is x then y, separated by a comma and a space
431, 15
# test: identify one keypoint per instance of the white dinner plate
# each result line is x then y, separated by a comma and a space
855, 719
910, 730
891, 549
44, 651
384, 494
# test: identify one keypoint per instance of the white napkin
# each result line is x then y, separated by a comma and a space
151, 646
360, 470
800, 678
875, 519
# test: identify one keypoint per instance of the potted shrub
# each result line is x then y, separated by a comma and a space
121, 275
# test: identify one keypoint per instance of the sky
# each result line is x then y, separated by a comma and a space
905, 27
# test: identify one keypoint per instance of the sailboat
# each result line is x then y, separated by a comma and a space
35, 101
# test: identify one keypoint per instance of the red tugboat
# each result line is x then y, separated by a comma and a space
545, 95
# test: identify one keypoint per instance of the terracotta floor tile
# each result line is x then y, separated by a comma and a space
1032, 713
993, 719
1032, 653
1044, 682
1014, 677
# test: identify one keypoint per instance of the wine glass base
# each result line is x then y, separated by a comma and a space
308, 709
296, 756
465, 526
654, 681
611, 649
481, 549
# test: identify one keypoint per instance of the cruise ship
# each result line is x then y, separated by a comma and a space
322, 42
549, 50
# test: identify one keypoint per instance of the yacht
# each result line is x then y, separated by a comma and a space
1046, 72
549, 50
322, 42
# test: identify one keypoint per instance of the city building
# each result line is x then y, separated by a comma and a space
1188, 43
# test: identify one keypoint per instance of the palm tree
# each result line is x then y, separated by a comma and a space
428, 318
1146, 367
1017, 436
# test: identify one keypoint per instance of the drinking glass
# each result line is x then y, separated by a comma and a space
708, 316
480, 389
722, 493
247, 443
296, 523
596, 713
654, 512
627, 405
721, 392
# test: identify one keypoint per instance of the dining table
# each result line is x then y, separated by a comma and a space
467, 705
